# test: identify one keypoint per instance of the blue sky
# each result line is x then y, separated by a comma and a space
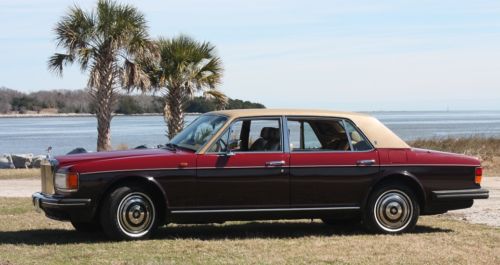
348, 55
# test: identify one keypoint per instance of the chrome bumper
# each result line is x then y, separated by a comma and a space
461, 194
41, 201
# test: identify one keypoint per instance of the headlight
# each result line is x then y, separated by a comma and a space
66, 181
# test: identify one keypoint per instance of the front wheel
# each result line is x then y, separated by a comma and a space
129, 213
391, 209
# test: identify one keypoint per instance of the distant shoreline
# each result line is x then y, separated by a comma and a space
69, 115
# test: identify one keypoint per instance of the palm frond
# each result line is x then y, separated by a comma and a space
57, 62
134, 76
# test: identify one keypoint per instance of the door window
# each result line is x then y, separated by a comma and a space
250, 135
317, 134
358, 141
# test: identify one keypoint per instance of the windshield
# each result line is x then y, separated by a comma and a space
197, 134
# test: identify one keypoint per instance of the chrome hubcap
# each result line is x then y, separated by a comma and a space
136, 214
393, 210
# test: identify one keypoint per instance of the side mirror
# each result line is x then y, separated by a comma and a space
233, 145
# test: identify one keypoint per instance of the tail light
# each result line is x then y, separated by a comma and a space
479, 175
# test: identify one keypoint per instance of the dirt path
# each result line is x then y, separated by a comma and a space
483, 211
19, 187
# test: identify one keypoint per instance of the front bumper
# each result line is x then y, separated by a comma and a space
461, 194
60, 208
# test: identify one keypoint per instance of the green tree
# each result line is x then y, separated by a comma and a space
24, 103
185, 67
128, 105
105, 42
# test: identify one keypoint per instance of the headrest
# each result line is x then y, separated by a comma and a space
270, 133
356, 137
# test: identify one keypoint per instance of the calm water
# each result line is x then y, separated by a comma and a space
34, 135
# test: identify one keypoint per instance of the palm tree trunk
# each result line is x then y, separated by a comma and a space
103, 132
104, 117
173, 112
105, 99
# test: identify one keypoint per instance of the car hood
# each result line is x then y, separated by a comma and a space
88, 157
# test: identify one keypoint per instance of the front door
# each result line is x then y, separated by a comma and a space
245, 168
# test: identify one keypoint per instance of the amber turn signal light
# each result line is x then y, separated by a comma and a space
72, 180
479, 175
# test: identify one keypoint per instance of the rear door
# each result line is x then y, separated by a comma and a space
331, 162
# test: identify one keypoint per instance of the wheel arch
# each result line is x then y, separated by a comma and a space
148, 182
403, 177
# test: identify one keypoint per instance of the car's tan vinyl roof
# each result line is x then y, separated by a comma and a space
377, 133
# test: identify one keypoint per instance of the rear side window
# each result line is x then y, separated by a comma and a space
358, 141
310, 134
318, 135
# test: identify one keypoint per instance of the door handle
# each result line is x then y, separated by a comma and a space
367, 162
275, 163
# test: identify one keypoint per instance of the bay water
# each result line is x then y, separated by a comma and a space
21, 135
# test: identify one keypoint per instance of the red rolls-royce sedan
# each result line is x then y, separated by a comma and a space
261, 164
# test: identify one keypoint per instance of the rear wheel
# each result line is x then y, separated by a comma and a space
129, 212
391, 209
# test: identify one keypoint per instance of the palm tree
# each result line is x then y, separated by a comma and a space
221, 100
105, 42
185, 67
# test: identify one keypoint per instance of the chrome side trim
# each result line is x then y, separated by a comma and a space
137, 169
267, 210
63, 204
427, 165
461, 194
297, 166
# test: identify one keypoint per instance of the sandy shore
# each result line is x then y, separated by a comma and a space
483, 211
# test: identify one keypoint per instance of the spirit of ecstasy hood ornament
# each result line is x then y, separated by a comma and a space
48, 152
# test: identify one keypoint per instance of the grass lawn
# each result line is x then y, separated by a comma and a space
27, 237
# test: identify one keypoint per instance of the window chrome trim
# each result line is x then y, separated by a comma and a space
285, 134
348, 135
280, 121
338, 119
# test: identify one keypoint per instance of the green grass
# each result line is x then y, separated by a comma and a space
29, 238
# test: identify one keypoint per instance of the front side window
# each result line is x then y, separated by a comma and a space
250, 135
196, 134
317, 135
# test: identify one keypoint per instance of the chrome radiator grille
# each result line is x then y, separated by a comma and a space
47, 174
